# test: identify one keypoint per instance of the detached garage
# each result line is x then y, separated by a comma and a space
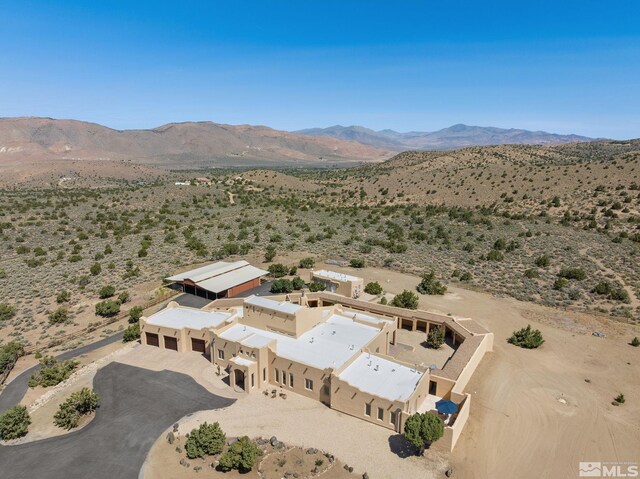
171, 343
219, 280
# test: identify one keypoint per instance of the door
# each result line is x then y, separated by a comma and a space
152, 339
197, 345
171, 343
433, 387
239, 378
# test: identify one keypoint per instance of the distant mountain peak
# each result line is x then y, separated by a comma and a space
454, 136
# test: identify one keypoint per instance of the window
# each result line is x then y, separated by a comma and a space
253, 379
308, 384
284, 377
367, 409
264, 374
290, 380
277, 375
393, 418
220, 353
380, 414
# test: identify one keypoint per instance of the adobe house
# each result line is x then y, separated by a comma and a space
339, 283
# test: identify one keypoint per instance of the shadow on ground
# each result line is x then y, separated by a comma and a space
136, 406
401, 447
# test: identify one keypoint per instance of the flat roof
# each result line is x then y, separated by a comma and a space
381, 377
327, 345
179, 318
335, 275
239, 360
282, 306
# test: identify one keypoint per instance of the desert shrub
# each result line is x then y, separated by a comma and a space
52, 372
107, 291
306, 263
407, 299
542, 261
357, 263
572, 273
430, 285
242, 455
14, 423
270, 253
532, 273
560, 283
466, 276
9, 353
63, 296
131, 333
495, 255
612, 291
527, 338
207, 440
281, 286
635, 342
278, 270
77, 405
95, 269
373, 288
423, 429
108, 308
619, 399
60, 315
435, 338
297, 283
7, 311
135, 314
316, 286
124, 297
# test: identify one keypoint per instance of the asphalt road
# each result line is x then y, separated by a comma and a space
136, 406
17, 388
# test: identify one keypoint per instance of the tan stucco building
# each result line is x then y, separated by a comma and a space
327, 347
339, 283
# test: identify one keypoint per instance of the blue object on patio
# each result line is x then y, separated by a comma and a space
445, 406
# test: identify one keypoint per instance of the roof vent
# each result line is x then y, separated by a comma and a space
351, 347
376, 368
333, 332
311, 340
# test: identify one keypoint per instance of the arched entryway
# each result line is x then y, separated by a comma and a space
238, 378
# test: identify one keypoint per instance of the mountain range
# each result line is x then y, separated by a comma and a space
456, 136
175, 145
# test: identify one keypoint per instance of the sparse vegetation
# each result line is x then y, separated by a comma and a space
52, 372
79, 404
14, 423
430, 285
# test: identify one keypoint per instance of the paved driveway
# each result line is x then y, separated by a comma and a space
14, 391
136, 406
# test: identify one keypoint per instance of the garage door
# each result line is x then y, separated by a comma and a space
171, 343
152, 339
197, 345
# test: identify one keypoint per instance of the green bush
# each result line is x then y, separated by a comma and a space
357, 263
7, 311
423, 429
407, 299
124, 297
14, 423
495, 255
77, 405
281, 286
527, 338
52, 372
635, 342
108, 308
430, 285
373, 288
542, 261
572, 273
612, 291
278, 270
9, 353
466, 276
207, 440
64, 296
60, 315
135, 314
242, 455
435, 338
95, 269
316, 286
131, 333
107, 291
306, 263
560, 283
532, 273
297, 283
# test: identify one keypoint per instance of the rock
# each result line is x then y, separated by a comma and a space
312, 450
171, 437
232, 441
350, 469
449, 472
175, 427
365, 475
273, 441
279, 445
197, 468
184, 463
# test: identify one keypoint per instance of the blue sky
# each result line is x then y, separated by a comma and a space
562, 66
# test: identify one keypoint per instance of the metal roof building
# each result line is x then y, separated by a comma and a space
219, 280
